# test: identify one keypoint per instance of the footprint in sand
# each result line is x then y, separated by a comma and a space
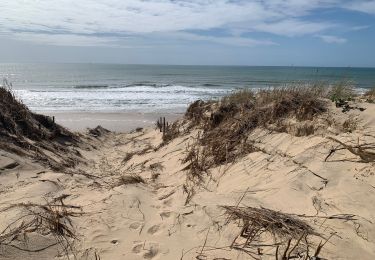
137, 248
165, 214
152, 251
152, 230
135, 225
168, 202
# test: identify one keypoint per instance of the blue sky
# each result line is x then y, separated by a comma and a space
216, 32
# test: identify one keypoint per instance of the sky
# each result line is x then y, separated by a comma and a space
193, 32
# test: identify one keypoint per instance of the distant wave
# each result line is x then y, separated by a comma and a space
144, 84
90, 86
211, 85
132, 88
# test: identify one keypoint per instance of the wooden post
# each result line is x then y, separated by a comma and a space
163, 125
39, 126
53, 119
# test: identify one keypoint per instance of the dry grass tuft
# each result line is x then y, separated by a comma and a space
52, 219
280, 225
288, 233
350, 124
171, 132
227, 124
341, 92
370, 95
197, 159
17, 120
242, 96
27, 133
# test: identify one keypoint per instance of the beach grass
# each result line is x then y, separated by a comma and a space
226, 124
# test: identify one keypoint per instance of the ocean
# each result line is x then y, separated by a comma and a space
154, 88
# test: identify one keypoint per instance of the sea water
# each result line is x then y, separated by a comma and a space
155, 88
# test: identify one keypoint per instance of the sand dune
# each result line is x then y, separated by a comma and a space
150, 215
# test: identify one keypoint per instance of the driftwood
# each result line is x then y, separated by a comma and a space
365, 151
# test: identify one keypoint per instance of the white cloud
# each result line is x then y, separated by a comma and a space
332, 39
66, 39
358, 28
362, 6
236, 40
106, 22
293, 27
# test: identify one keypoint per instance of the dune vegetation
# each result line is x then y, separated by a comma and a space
255, 175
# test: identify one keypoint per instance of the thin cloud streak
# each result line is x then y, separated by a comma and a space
108, 22
332, 39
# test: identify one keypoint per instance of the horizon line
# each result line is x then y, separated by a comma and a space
190, 65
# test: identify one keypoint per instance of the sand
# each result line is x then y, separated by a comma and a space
114, 121
152, 220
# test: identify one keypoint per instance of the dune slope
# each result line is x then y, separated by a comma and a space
136, 198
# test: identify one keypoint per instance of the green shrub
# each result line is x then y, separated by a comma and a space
341, 91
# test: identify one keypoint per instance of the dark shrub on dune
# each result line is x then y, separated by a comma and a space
27, 133
16, 120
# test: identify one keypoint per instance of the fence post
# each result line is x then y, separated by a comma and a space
163, 125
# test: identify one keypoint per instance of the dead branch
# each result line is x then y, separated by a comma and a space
365, 151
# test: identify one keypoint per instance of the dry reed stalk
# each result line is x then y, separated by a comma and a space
54, 218
288, 233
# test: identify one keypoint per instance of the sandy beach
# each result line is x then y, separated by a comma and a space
114, 121
142, 195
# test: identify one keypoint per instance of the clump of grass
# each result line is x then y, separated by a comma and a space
242, 96
53, 218
195, 113
341, 92
16, 119
280, 225
288, 233
171, 132
227, 124
305, 129
28, 133
350, 124
303, 103
370, 95
197, 159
